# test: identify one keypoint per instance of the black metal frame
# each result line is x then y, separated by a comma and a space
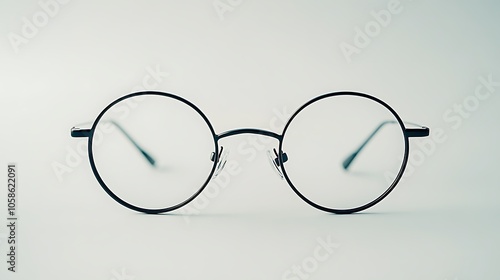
280, 159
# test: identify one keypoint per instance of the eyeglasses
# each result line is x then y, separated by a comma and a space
340, 152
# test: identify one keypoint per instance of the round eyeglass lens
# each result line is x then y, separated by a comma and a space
153, 151
327, 161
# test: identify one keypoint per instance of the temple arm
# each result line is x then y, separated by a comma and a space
83, 132
420, 131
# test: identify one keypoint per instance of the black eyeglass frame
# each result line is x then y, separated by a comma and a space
281, 158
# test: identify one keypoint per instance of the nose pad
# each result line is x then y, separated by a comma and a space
221, 162
273, 160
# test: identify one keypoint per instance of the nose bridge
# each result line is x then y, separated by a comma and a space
249, 131
273, 159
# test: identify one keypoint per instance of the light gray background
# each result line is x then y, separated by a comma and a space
240, 68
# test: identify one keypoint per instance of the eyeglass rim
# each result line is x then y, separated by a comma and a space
376, 200
122, 201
